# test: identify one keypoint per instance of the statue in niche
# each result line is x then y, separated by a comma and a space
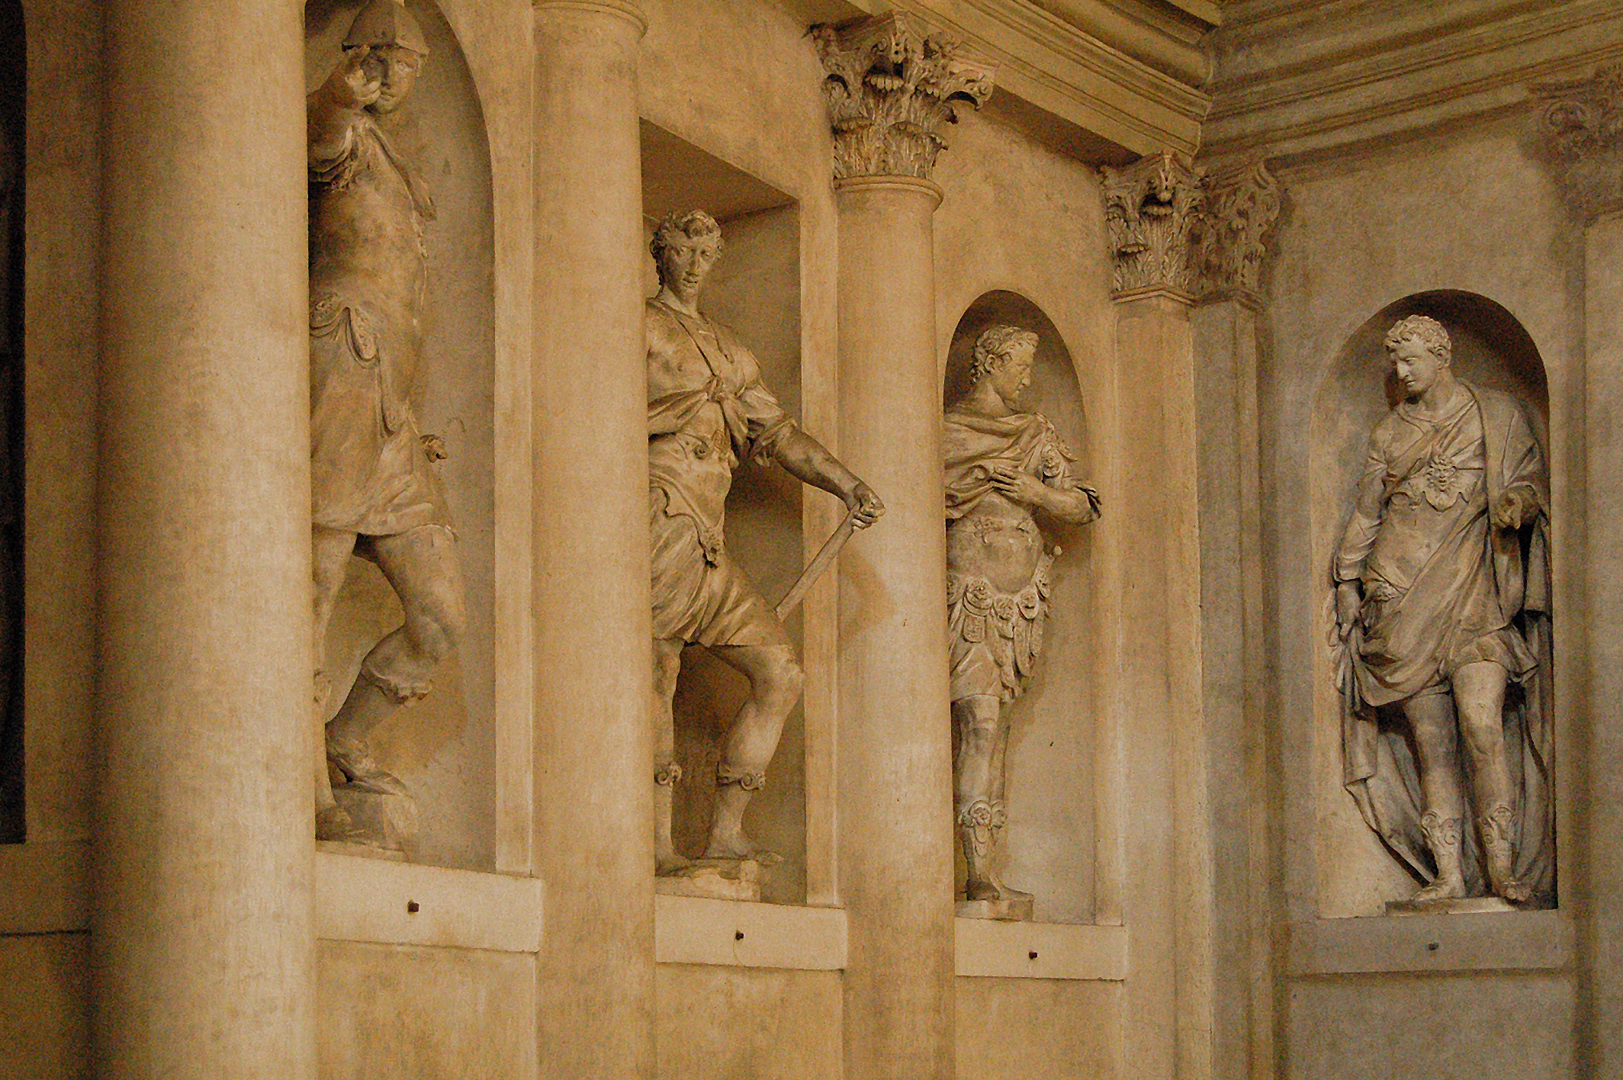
1004, 468
1442, 599
375, 491
708, 410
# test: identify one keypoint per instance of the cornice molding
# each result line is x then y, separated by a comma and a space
1473, 66
1081, 81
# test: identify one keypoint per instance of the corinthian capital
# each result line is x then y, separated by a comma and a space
1152, 208
890, 91
1582, 129
1242, 206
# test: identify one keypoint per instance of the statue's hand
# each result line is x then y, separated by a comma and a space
433, 447
864, 504
1019, 486
1349, 604
358, 79
1514, 508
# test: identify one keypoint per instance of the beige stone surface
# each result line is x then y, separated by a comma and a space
1011, 1029
45, 1007
1516, 1027
428, 1014
757, 1024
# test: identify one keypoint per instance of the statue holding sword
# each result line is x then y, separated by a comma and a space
707, 411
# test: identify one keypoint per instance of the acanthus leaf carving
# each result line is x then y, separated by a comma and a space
1581, 125
1231, 238
891, 89
1151, 209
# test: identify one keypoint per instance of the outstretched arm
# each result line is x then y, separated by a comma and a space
806, 459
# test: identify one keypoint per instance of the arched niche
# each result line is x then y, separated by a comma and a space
13, 99
443, 747
1049, 842
1357, 875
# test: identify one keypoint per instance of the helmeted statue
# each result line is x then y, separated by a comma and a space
375, 492
1004, 469
1443, 612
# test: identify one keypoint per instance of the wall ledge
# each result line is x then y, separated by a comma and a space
1485, 941
359, 899
1028, 950
732, 933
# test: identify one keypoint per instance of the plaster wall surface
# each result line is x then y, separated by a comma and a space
1519, 1027
721, 1023
389, 1010
1009, 1029
45, 1006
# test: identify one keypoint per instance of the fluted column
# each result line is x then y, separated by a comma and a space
1152, 208
1583, 141
895, 767
594, 810
203, 839
1242, 204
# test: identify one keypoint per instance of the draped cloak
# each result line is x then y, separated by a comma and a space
1457, 590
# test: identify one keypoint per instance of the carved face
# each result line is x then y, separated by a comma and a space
396, 68
1416, 366
1013, 374
686, 262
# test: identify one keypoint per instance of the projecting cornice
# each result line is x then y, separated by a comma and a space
1140, 94
1290, 80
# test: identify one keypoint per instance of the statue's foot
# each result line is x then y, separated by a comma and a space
334, 823
353, 764
981, 889
669, 862
1444, 888
731, 845
1516, 891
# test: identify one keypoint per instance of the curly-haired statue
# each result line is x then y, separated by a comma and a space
708, 410
1442, 595
1004, 470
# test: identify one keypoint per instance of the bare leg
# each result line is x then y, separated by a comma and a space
1431, 716
978, 776
421, 565
1000, 776
1479, 690
667, 666
330, 550
775, 684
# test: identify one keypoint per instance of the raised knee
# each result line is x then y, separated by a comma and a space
438, 633
667, 669
782, 678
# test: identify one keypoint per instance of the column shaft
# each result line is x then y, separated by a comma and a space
895, 782
593, 744
204, 836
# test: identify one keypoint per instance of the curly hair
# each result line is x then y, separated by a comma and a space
994, 345
1428, 332
689, 223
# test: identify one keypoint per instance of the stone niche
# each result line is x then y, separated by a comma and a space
1357, 874
1048, 846
755, 289
443, 747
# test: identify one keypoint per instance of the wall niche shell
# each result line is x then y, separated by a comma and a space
443, 747
1357, 874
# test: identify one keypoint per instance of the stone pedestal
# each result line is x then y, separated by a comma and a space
1008, 909
391, 819
1471, 905
594, 831
202, 937
895, 748
717, 879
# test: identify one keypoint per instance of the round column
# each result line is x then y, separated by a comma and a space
593, 675
895, 743
202, 931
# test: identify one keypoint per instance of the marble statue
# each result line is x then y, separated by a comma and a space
375, 492
1004, 469
707, 411
1442, 601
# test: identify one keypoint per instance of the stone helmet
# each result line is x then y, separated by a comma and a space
386, 22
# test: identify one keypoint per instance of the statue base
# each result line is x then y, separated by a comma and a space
716, 879
359, 851
381, 822
1470, 905
1007, 909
